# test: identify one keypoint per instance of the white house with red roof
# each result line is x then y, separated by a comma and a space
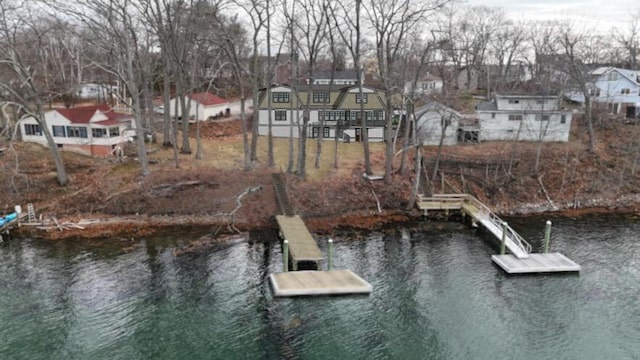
204, 106
92, 130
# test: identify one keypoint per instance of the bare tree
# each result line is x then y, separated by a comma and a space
574, 48
629, 39
392, 21
347, 16
116, 34
24, 86
257, 14
310, 25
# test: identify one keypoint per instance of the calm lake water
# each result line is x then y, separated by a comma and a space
436, 295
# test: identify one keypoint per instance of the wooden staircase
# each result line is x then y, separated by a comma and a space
281, 194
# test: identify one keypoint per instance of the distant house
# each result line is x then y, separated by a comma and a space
96, 91
523, 117
618, 88
204, 106
432, 119
339, 78
428, 84
92, 130
499, 77
339, 106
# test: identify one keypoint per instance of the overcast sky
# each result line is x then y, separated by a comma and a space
598, 13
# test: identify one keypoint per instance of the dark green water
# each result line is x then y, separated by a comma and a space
436, 296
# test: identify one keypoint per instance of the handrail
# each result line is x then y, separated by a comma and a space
483, 210
497, 221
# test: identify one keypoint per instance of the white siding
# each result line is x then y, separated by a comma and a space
499, 127
197, 110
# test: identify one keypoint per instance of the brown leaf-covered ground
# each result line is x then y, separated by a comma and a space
202, 193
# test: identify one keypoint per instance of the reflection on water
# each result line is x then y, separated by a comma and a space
436, 296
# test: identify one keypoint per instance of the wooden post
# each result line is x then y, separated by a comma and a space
547, 237
285, 256
330, 255
504, 237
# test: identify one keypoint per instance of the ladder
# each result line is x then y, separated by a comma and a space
31, 213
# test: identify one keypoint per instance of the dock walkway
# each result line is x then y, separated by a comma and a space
303, 249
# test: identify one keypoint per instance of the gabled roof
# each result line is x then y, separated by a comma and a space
84, 114
631, 75
208, 99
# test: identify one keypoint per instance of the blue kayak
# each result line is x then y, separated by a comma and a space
8, 218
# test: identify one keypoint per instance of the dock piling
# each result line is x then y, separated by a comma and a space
330, 255
285, 256
504, 237
547, 237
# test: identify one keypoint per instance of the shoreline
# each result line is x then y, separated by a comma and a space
101, 226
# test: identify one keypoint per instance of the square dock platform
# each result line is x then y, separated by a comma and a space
306, 283
536, 263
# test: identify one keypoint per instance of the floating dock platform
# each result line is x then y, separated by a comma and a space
314, 283
535, 263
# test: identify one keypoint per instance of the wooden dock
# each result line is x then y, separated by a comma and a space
308, 283
536, 263
521, 260
481, 214
303, 250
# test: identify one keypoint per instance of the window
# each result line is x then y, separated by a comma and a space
594, 92
515, 117
513, 101
364, 98
378, 115
493, 115
280, 97
563, 119
98, 133
321, 97
625, 91
612, 76
331, 115
542, 117
58, 131
32, 129
281, 115
114, 131
325, 132
315, 132
77, 131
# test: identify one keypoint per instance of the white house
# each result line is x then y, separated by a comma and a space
432, 119
204, 106
337, 106
523, 117
92, 130
341, 78
429, 84
96, 91
616, 87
